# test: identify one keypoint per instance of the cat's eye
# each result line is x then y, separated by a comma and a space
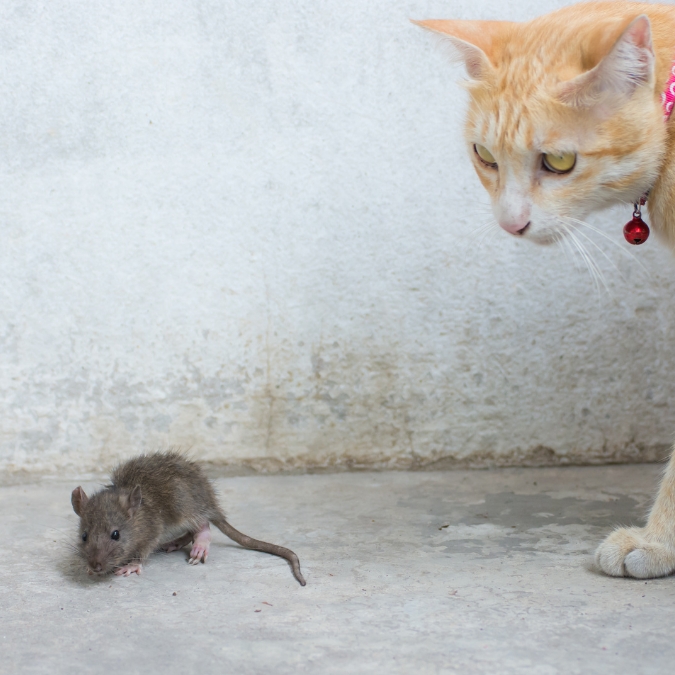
559, 163
115, 535
84, 536
485, 155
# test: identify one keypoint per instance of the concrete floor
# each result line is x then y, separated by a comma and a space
444, 572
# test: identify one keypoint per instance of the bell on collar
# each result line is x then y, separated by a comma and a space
636, 231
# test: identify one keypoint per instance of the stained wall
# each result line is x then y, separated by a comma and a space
252, 230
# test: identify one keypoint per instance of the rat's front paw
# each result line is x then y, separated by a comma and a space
634, 552
132, 568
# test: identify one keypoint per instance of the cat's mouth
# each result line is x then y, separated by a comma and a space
544, 229
531, 234
540, 236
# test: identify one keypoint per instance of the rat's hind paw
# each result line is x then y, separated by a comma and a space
200, 548
129, 569
199, 553
632, 552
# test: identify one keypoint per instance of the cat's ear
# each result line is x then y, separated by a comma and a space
628, 64
474, 41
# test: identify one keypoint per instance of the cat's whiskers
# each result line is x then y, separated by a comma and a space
490, 235
572, 246
484, 226
623, 250
482, 232
593, 266
596, 274
562, 239
587, 238
595, 271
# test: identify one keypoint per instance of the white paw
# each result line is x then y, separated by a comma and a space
628, 552
638, 564
609, 558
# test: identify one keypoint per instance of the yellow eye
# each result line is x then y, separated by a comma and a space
485, 155
562, 163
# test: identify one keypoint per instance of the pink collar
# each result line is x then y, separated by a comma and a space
668, 96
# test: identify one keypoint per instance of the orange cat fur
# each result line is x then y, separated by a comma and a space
565, 117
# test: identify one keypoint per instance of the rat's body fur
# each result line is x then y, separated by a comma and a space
155, 501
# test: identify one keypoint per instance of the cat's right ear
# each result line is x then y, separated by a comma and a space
628, 65
474, 41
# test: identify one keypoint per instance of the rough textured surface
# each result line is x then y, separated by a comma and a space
439, 572
250, 229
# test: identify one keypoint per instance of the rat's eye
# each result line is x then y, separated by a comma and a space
115, 535
485, 155
562, 163
84, 536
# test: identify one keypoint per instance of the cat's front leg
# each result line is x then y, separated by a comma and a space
644, 552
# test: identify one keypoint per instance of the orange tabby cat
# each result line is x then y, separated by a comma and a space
565, 117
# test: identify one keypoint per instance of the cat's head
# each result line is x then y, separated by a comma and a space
564, 114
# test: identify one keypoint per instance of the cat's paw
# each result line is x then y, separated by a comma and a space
632, 552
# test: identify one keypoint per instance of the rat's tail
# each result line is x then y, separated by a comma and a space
248, 542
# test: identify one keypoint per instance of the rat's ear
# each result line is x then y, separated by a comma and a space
135, 500
477, 43
78, 499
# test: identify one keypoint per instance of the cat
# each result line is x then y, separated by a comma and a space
565, 117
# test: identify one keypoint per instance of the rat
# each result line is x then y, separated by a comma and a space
161, 501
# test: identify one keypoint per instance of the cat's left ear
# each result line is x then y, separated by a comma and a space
476, 42
628, 65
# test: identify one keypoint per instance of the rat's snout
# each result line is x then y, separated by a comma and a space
96, 567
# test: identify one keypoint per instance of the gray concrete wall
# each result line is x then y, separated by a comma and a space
251, 229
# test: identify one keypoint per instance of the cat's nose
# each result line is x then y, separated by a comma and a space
517, 227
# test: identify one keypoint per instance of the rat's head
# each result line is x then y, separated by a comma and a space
105, 539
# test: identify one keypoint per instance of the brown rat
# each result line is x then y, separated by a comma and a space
158, 501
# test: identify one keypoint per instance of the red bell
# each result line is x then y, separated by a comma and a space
636, 231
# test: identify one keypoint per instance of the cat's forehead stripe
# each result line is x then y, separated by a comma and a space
506, 127
514, 126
